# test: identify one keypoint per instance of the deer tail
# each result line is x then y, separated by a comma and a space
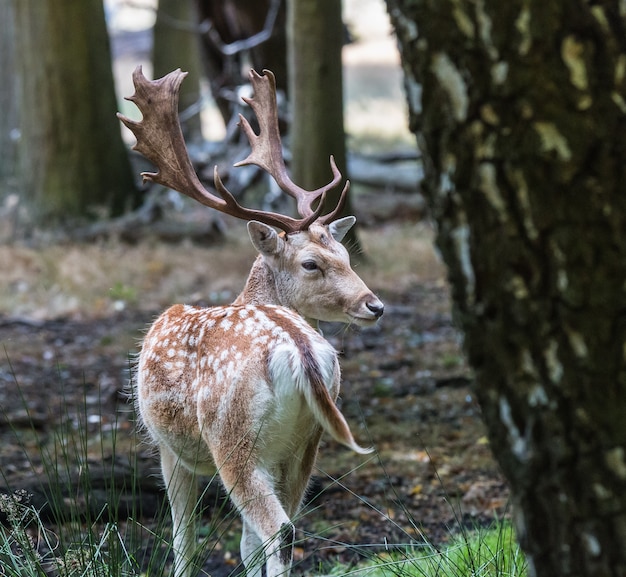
315, 369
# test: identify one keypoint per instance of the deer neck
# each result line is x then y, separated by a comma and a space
261, 289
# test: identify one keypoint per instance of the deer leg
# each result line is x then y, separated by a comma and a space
296, 473
268, 532
182, 496
252, 552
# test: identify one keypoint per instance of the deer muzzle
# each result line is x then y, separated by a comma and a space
367, 311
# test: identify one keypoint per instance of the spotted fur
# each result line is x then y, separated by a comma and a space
248, 388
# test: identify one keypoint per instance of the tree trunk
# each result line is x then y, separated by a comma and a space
72, 157
175, 46
8, 97
315, 39
520, 112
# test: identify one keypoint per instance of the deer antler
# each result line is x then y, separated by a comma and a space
160, 140
267, 150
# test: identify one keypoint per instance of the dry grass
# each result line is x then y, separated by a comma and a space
399, 256
96, 280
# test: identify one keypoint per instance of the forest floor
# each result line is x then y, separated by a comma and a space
72, 317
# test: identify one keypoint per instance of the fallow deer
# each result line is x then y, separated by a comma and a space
251, 386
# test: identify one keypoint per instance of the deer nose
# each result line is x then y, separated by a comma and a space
376, 308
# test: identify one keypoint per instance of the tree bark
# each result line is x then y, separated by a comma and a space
519, 109
176, 45
72, 157
315, 39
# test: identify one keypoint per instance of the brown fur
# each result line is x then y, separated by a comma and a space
250, 387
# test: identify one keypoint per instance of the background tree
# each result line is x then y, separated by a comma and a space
72, 157
520, 112
176, 45
315, 39
8, 95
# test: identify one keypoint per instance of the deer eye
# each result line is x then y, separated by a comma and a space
309, 265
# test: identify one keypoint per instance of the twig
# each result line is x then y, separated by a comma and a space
237, 46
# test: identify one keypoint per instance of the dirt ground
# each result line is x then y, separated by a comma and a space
406, 391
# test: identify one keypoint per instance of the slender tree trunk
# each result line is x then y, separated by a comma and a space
72, 158
315, 40
519, 108
176, 45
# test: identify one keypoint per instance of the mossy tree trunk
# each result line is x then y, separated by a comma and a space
73, 162
315, 39
519, 108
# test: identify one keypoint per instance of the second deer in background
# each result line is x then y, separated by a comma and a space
251, 386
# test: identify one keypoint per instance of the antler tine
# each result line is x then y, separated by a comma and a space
334, 214
285, 223
160, 140
267, 148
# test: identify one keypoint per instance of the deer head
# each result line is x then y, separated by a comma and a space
304, 267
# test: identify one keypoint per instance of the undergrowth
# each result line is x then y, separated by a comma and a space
83, 533
490, 552
69, 527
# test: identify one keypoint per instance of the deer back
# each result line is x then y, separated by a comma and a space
212, 373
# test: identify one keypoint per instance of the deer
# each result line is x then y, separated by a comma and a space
247, 388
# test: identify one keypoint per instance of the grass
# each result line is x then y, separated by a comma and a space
100, 531
66, 526
84, 535
480, 551
75, 530
491, 552
96, 280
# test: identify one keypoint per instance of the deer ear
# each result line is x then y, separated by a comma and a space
340, 227
264, 238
